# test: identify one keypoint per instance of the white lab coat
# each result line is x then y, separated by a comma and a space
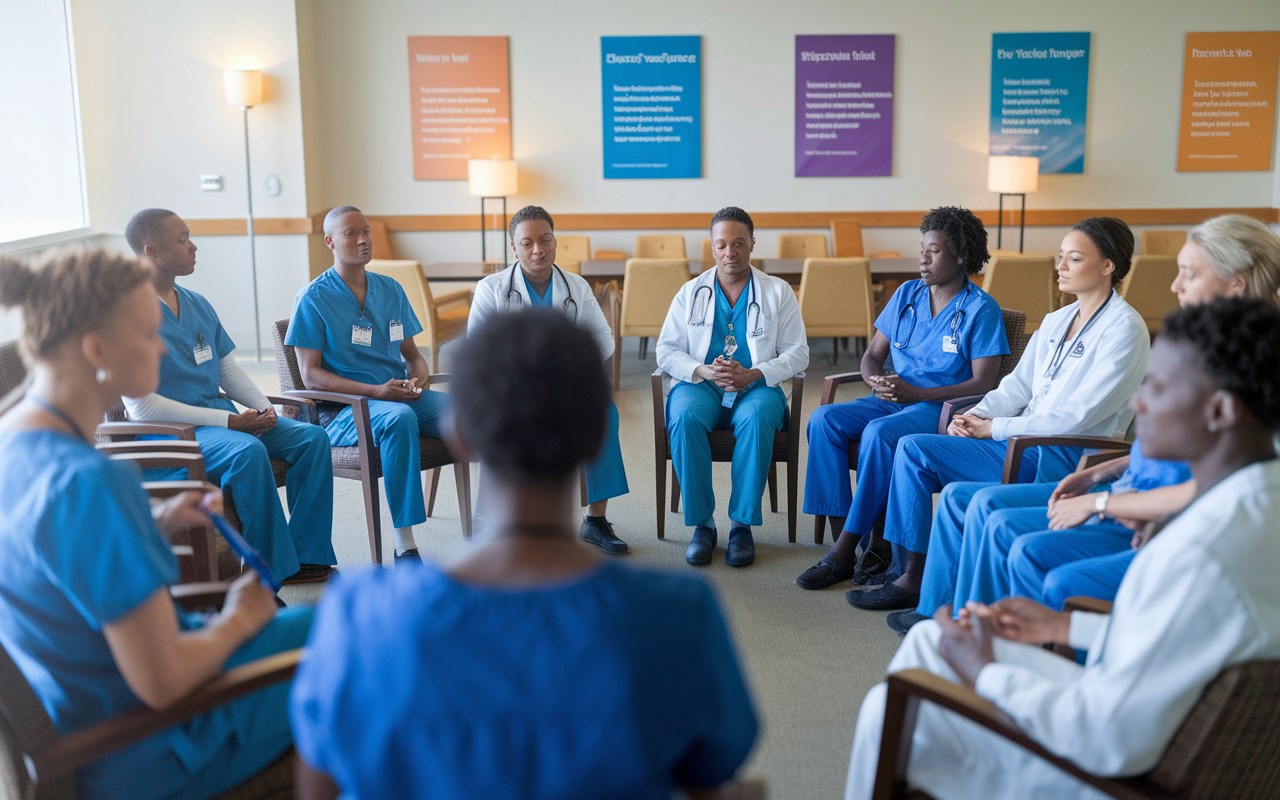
1101, 369
491, 296
1200, 597
779, 349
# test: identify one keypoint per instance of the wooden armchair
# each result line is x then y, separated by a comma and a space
1228, 746
37, 761
363, 462
786, 449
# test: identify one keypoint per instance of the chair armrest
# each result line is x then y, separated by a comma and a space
905, 691
1019, 444
956, 405
163, 489
182, 430
325, 397
1091, 605
438, 377
193, 463
462, 295
85, 746
1094, 459
830, 383
197, 596
281, 400
110, 449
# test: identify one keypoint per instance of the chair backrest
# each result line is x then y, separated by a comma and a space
12, 369
1015, 330
708, 253
1025, 283
1163, 243
381, 240
663, 245
1147, 288
409, 275
835, 297
802, 245
571, 251
287, 369
610, 255
27, 728
846, 238
648, 288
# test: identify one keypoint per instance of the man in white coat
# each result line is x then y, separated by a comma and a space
714, 382
535, 281
1199, 597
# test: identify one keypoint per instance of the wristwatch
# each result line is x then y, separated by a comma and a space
1100, 505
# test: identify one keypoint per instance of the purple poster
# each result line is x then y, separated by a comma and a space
844, 106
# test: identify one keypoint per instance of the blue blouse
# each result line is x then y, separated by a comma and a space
929, 351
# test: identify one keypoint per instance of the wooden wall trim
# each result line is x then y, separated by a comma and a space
785, 219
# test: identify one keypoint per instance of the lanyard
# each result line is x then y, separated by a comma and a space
1060, 354
68, 421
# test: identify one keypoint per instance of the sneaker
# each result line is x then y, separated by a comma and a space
599, 532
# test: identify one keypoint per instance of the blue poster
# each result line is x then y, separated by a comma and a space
652, 88
1039, 94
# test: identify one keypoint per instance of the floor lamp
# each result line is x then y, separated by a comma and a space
244, 89
491, 178
1014, 176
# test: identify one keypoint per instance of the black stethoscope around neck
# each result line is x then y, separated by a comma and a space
1060, 353
569, 303
702, 303
957, 318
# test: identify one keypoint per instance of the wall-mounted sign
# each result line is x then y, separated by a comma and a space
652, 106
1039, 95
844, 105
1228, 101
460, 103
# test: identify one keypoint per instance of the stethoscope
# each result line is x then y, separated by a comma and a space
569, 302
1060, 354
702, 303
957, 318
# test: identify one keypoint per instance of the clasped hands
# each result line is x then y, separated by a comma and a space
1073, 503
968, 643
255, 421
403, 390
893, 389
969, 427
728, 374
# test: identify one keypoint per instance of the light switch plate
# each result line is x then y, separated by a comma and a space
211, 183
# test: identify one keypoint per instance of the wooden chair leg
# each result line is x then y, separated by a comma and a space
582, 483
372, 514
793, 501
835, 350
773, 487
462, 476
430, 483
660, 482
675, 489
644, 347
819, 528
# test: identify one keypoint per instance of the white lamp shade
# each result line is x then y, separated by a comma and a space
1013, 174
244, 86
491, 177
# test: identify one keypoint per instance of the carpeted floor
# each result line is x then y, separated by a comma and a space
809, 657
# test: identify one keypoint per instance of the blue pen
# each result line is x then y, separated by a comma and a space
252, 558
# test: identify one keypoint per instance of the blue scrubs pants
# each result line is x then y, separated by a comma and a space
960, 530
694, 410
1050, 566
925, 463
244, 736
606, 476
877, 425
396, 429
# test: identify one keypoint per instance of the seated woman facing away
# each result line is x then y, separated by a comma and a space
525, 665
85, 611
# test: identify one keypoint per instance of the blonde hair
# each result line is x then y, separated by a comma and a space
69, 295
1235, 244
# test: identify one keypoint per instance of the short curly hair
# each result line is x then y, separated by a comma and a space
524, 215
1238, 339
965, 234
530, 396
734, 214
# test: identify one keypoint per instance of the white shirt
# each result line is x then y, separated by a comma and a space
491, 296
775, 333
1081, 386
231, 379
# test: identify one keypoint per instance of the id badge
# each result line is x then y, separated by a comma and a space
361, 335
397, 331
728, 400
203, 352
949, 345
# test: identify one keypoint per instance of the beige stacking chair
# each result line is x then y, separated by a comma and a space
802, 245
571, 251
835, 299
1023, 283
1147, 288
648, 287
846, 238
665, 245
443, 318
1163, 243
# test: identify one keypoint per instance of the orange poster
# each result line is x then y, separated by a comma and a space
460, 103
1228, 101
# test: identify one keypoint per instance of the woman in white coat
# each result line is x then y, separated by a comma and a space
535, 281
715, 382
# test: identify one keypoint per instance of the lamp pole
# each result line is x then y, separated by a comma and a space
253, 256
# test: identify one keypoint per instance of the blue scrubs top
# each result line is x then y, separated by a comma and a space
972, 318
419, 686
326, 314
1145, 473
196, 341
536, 300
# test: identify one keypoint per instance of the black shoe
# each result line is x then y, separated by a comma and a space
311, 573
741, 550
874, 561
887, 598
409, 556
903, 621
601, 535
703, 544
824, 574
861, 578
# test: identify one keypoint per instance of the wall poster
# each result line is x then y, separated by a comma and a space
460, 103
844, 106
1228, 101
1039, 96
652, 106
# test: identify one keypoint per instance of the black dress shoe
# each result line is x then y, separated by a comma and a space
703, 544
741, 550
311, 573
409, 556
903, 621
874, 561
824, 574
887, 598
599, 532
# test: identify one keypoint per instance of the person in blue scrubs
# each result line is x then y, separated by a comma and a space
85, 611
946, 337
353, 332
526, 664
731, 336
237, 446
535, 281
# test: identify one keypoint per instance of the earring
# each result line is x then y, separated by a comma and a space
101, 375
1212, 426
